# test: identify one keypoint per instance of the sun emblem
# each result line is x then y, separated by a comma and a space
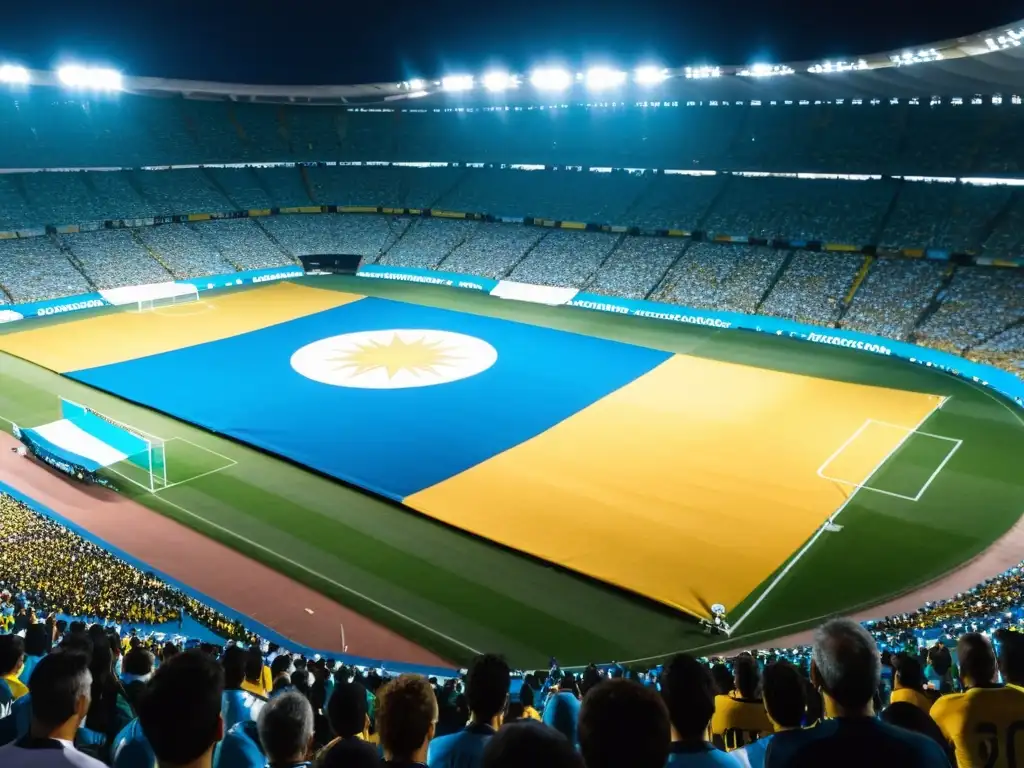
394, 359
418, 357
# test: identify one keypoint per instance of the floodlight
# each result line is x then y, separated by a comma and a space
9, 73
550, 79
457, 83
650, 75
498, 81
77, 76
603, 78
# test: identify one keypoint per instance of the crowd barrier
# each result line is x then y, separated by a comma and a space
10, 313
428, 276
1002, 382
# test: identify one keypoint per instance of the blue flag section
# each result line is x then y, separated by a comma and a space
389, 396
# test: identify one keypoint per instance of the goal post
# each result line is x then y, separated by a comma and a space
142, 450
184, 294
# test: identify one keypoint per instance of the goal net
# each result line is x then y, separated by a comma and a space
186, 294
142, 456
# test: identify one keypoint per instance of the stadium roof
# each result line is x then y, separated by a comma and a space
986, 63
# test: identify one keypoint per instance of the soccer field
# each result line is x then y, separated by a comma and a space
918, 473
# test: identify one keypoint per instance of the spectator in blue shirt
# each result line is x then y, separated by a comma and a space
846, 668
180, 714
689, 690
530, 744
239, 705
562, 709
37, 643
623, 723
487, 685
782, 690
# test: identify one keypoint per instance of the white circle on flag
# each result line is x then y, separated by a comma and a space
394, 359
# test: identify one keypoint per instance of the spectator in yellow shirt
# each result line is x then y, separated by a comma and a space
984, 723
254, 679
526, 699
740, 717
909, 683
12, 659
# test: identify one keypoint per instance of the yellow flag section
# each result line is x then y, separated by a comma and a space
121, 336
690, 485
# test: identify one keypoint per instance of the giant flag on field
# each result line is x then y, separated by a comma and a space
684, 479
389, 396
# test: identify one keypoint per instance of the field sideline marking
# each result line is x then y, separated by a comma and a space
310, 571
831, 519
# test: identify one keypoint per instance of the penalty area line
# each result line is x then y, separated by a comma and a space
832, 518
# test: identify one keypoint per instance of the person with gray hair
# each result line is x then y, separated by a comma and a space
846, 670
60, 697
285, 728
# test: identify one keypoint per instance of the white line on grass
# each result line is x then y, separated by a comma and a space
203, 448
938, 469
843, 447
817, 534
194, 477
310, 571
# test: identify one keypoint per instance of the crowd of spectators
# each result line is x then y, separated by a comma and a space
805, 210
427, 241
564, 195
636, 267
183, 251
1005, 351
242, 243
49, 568
945, 216
733, 277
34, 269
363, 234
112, 258
894, 296
125, 698
813, 287
492, 251
129, 130
565, 258
979, 303
675, 201
96, 697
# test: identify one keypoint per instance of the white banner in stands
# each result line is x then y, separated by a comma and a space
538, 294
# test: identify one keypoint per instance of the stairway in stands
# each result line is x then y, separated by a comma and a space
936, 302
775, 280
858, 280
61, 246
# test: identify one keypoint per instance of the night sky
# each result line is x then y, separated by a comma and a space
337, 41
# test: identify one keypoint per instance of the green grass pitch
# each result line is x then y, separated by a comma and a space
456, 594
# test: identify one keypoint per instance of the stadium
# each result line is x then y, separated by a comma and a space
603, 366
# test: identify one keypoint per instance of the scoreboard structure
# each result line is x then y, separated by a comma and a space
331, 263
